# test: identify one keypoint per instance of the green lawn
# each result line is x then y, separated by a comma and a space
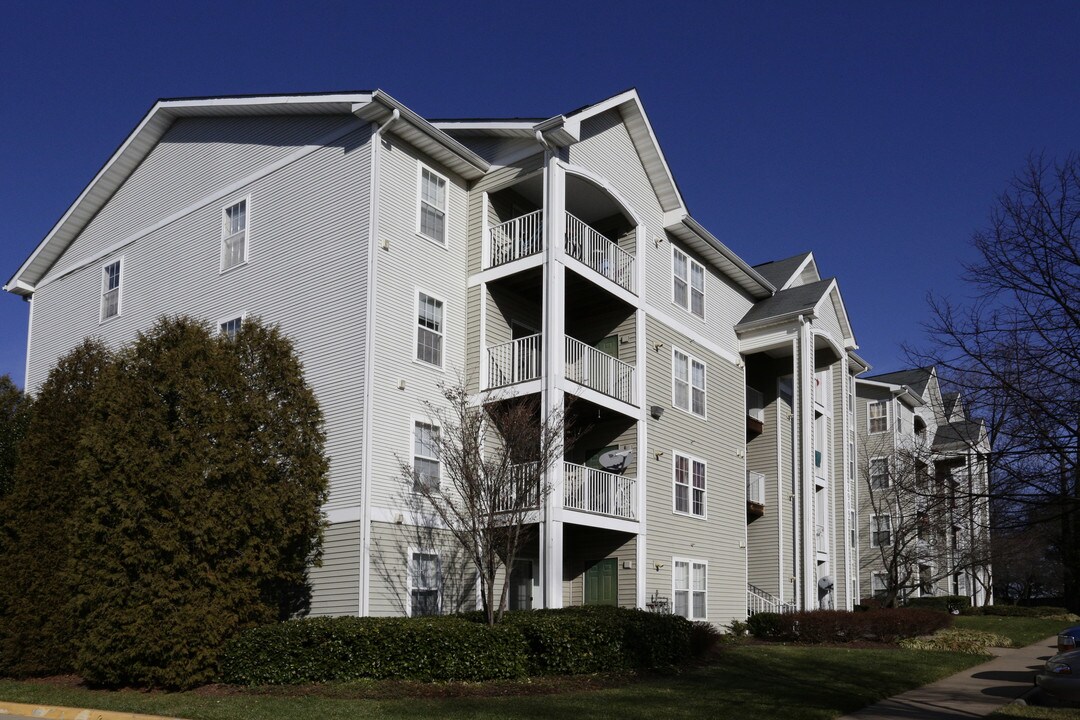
1040, 713
747, 681
1021, 630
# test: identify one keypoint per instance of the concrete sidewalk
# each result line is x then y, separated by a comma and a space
975, 692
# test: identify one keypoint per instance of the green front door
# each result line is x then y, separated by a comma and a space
602, 583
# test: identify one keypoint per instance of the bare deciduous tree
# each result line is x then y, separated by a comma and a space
1013, 350
493, 462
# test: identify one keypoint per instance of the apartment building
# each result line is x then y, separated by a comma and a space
545, 257
924, 506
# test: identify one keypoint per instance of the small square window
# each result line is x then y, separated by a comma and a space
234, 235
229, 328
111, 276
429, 329
432, 206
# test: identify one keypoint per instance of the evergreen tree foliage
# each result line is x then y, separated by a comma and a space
37, 621
204, 474
14, 417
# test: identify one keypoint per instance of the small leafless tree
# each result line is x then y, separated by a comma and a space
1013, 350
493, 464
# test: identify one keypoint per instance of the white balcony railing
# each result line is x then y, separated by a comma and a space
586, 245
598, 491
755, 404
595, 369
819, 539
755, 487
523, 490
758, 601
514, 362
515, 239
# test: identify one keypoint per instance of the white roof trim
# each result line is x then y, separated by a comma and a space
833, 294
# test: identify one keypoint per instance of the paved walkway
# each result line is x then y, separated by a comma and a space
975, 692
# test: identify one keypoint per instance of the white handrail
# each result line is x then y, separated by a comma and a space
595, 369
519, 496
516, 238
755, 487
755, 404
514, 362
598, 491
757, 601
586, 245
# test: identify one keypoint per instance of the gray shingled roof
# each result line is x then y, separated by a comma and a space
958, 435
779, 272
916, 379
800, 299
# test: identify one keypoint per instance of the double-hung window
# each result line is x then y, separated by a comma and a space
879, 585
110, 289
688, 383
880, 531
234, 235
688, 588
229, 328
432, 210
429, 329
423, 584
878, 414
426, 466
879, 473
688, 282
689, 485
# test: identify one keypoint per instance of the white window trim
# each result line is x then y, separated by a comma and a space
884, 581
690, 262
873, 524
410, 586
888, 416
241, 316
119, 290
690, 586
888, 472
420, 167
413, 420
416, 329
705, 504
689, 409
247, 234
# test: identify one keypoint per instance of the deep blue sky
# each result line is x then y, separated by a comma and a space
876, 134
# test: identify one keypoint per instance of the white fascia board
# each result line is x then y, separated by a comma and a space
786, 318
845, 322
901, 392
739, 271
799, 270
524, 128
857, 360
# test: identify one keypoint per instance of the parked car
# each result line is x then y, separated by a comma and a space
1060, 676
1068, 639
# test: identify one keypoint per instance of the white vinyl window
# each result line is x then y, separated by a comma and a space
229, 328
879, 584
688, 583
880, 531
429, 329
111, 276
424, 584
431, 218
426, 466
878, 415
689, 485
688, 383
879, 473
687, 282
234, 235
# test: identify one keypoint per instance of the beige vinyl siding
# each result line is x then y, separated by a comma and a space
829, 322
307, 272
840, 543
719, 443
411, 263
763, 533
196, 156
389, 581
335, 586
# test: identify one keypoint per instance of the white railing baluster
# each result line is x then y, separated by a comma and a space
755, 487
514, 362
598, 491
515, 239
595, 369
587, 246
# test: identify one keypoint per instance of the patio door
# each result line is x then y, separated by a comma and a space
602, 582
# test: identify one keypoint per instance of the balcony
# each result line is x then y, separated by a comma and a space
755, 411
755, 494
598, 491
523, 492
820, 543
592, 249
599, 371
514, 362
516, 239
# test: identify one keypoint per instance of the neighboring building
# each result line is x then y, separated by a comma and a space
553, 257
924, 506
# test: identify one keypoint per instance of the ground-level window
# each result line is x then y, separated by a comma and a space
879, 584
689, 485
880, 531
110, 289
424, 584
426, 475
688, 588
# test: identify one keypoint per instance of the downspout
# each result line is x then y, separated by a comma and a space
369, 365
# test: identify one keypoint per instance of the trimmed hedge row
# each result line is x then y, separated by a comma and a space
822, 626
940, 602
1017, 611
565, 642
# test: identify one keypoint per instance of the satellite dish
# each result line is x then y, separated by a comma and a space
616, 461
825, 583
